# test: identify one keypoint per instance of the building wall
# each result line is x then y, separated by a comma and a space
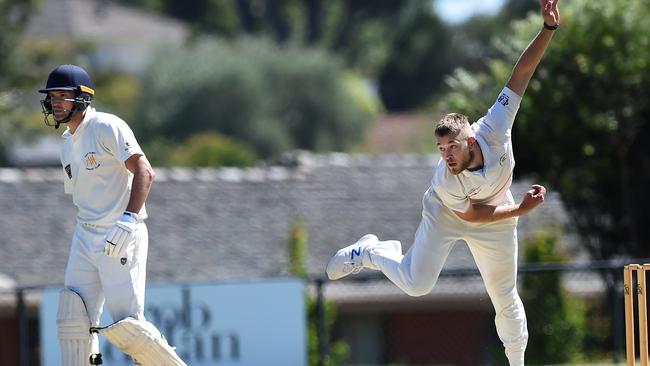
462, 337
443, 337
8, 341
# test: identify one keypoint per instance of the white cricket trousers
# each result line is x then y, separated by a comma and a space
97, 277
494, 248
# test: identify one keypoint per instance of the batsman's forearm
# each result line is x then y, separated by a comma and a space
140, 187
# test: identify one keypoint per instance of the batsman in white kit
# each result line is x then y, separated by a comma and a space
109, 179
469, 199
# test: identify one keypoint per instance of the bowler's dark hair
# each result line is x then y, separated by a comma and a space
451, 124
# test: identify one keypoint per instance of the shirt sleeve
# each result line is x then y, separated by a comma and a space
119, 140
498, 121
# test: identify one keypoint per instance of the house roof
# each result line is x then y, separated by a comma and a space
229, 223
103, 22
123, 38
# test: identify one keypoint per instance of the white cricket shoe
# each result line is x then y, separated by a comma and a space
351, 258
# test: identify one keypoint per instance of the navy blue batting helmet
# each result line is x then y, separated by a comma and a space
69, 77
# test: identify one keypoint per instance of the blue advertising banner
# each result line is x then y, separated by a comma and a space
223, 324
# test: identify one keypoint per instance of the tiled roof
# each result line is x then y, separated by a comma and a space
122, 38
219, 224
103, 22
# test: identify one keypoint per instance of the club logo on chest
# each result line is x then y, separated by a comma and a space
91, 161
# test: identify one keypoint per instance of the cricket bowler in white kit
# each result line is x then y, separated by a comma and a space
469, 199
109, 179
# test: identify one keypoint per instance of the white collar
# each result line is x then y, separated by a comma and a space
90, 113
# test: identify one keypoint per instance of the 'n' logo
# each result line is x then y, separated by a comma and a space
357, 252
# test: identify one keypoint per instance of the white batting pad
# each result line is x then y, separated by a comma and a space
74, 330
142, 341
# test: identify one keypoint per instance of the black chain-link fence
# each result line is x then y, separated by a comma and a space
575, 316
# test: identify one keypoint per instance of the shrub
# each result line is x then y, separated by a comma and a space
212, 149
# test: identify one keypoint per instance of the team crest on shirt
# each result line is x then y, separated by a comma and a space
91, 161
503, 99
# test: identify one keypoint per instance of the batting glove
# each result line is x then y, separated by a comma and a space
120, 236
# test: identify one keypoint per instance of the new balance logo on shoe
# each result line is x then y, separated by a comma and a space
350, 259
355, 251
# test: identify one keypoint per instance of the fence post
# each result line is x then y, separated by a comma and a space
615, 294
320, 324
23, 335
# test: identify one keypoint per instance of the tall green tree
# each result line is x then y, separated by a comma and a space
584, 119
420, 59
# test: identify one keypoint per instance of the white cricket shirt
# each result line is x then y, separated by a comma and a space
94, 170
489, 185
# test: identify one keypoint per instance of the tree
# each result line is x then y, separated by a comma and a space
420, 59
13, 17
272, 98
558, 319
353, 29
402, 44
583, 123
211, 150
515, 9
472, 47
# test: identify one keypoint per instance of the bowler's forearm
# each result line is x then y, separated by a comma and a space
488, 213
528, 61
531, 56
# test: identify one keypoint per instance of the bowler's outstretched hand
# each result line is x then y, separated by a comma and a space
549, 11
